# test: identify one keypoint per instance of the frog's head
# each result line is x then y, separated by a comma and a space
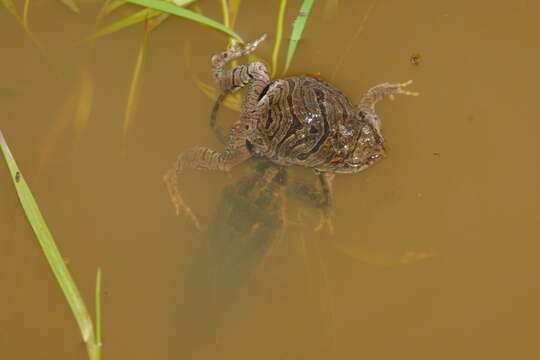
369, 146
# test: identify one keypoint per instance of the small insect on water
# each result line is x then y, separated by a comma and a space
415, 59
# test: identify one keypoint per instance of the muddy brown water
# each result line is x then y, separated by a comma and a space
435, 251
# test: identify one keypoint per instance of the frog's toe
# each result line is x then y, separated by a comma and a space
394, 89
325, 223
251, 46
406, 92
259, 40
181, 208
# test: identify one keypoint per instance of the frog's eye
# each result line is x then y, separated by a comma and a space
361, 115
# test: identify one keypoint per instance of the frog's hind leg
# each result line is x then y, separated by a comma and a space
326, 179
205, 159
230, 80
254, 74
218, 132
321, 197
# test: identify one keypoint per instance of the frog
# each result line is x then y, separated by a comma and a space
299, 120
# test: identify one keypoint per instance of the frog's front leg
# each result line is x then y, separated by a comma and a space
378, 93
255, 76
205, 159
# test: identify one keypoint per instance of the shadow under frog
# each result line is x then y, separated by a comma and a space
250, 220
332, 136
253, 216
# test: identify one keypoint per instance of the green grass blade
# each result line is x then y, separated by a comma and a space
153, 23
187, 53
197, 8
225, 10
279, 36
72, 5
109, 6
98, 314
230, 11
133, 19
85, 97
136, 82
10, 6
298, 28
25, 14
180, 3
178, 11
52, 254
23, 21
234, 5
233, 101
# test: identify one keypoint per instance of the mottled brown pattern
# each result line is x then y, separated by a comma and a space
292, 121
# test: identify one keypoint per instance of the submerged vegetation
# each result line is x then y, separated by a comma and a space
153, 14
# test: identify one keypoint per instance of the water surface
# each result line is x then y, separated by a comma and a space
460, 183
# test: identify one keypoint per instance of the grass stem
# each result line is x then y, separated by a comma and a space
50, 250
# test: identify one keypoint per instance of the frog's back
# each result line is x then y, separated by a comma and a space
309, 122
